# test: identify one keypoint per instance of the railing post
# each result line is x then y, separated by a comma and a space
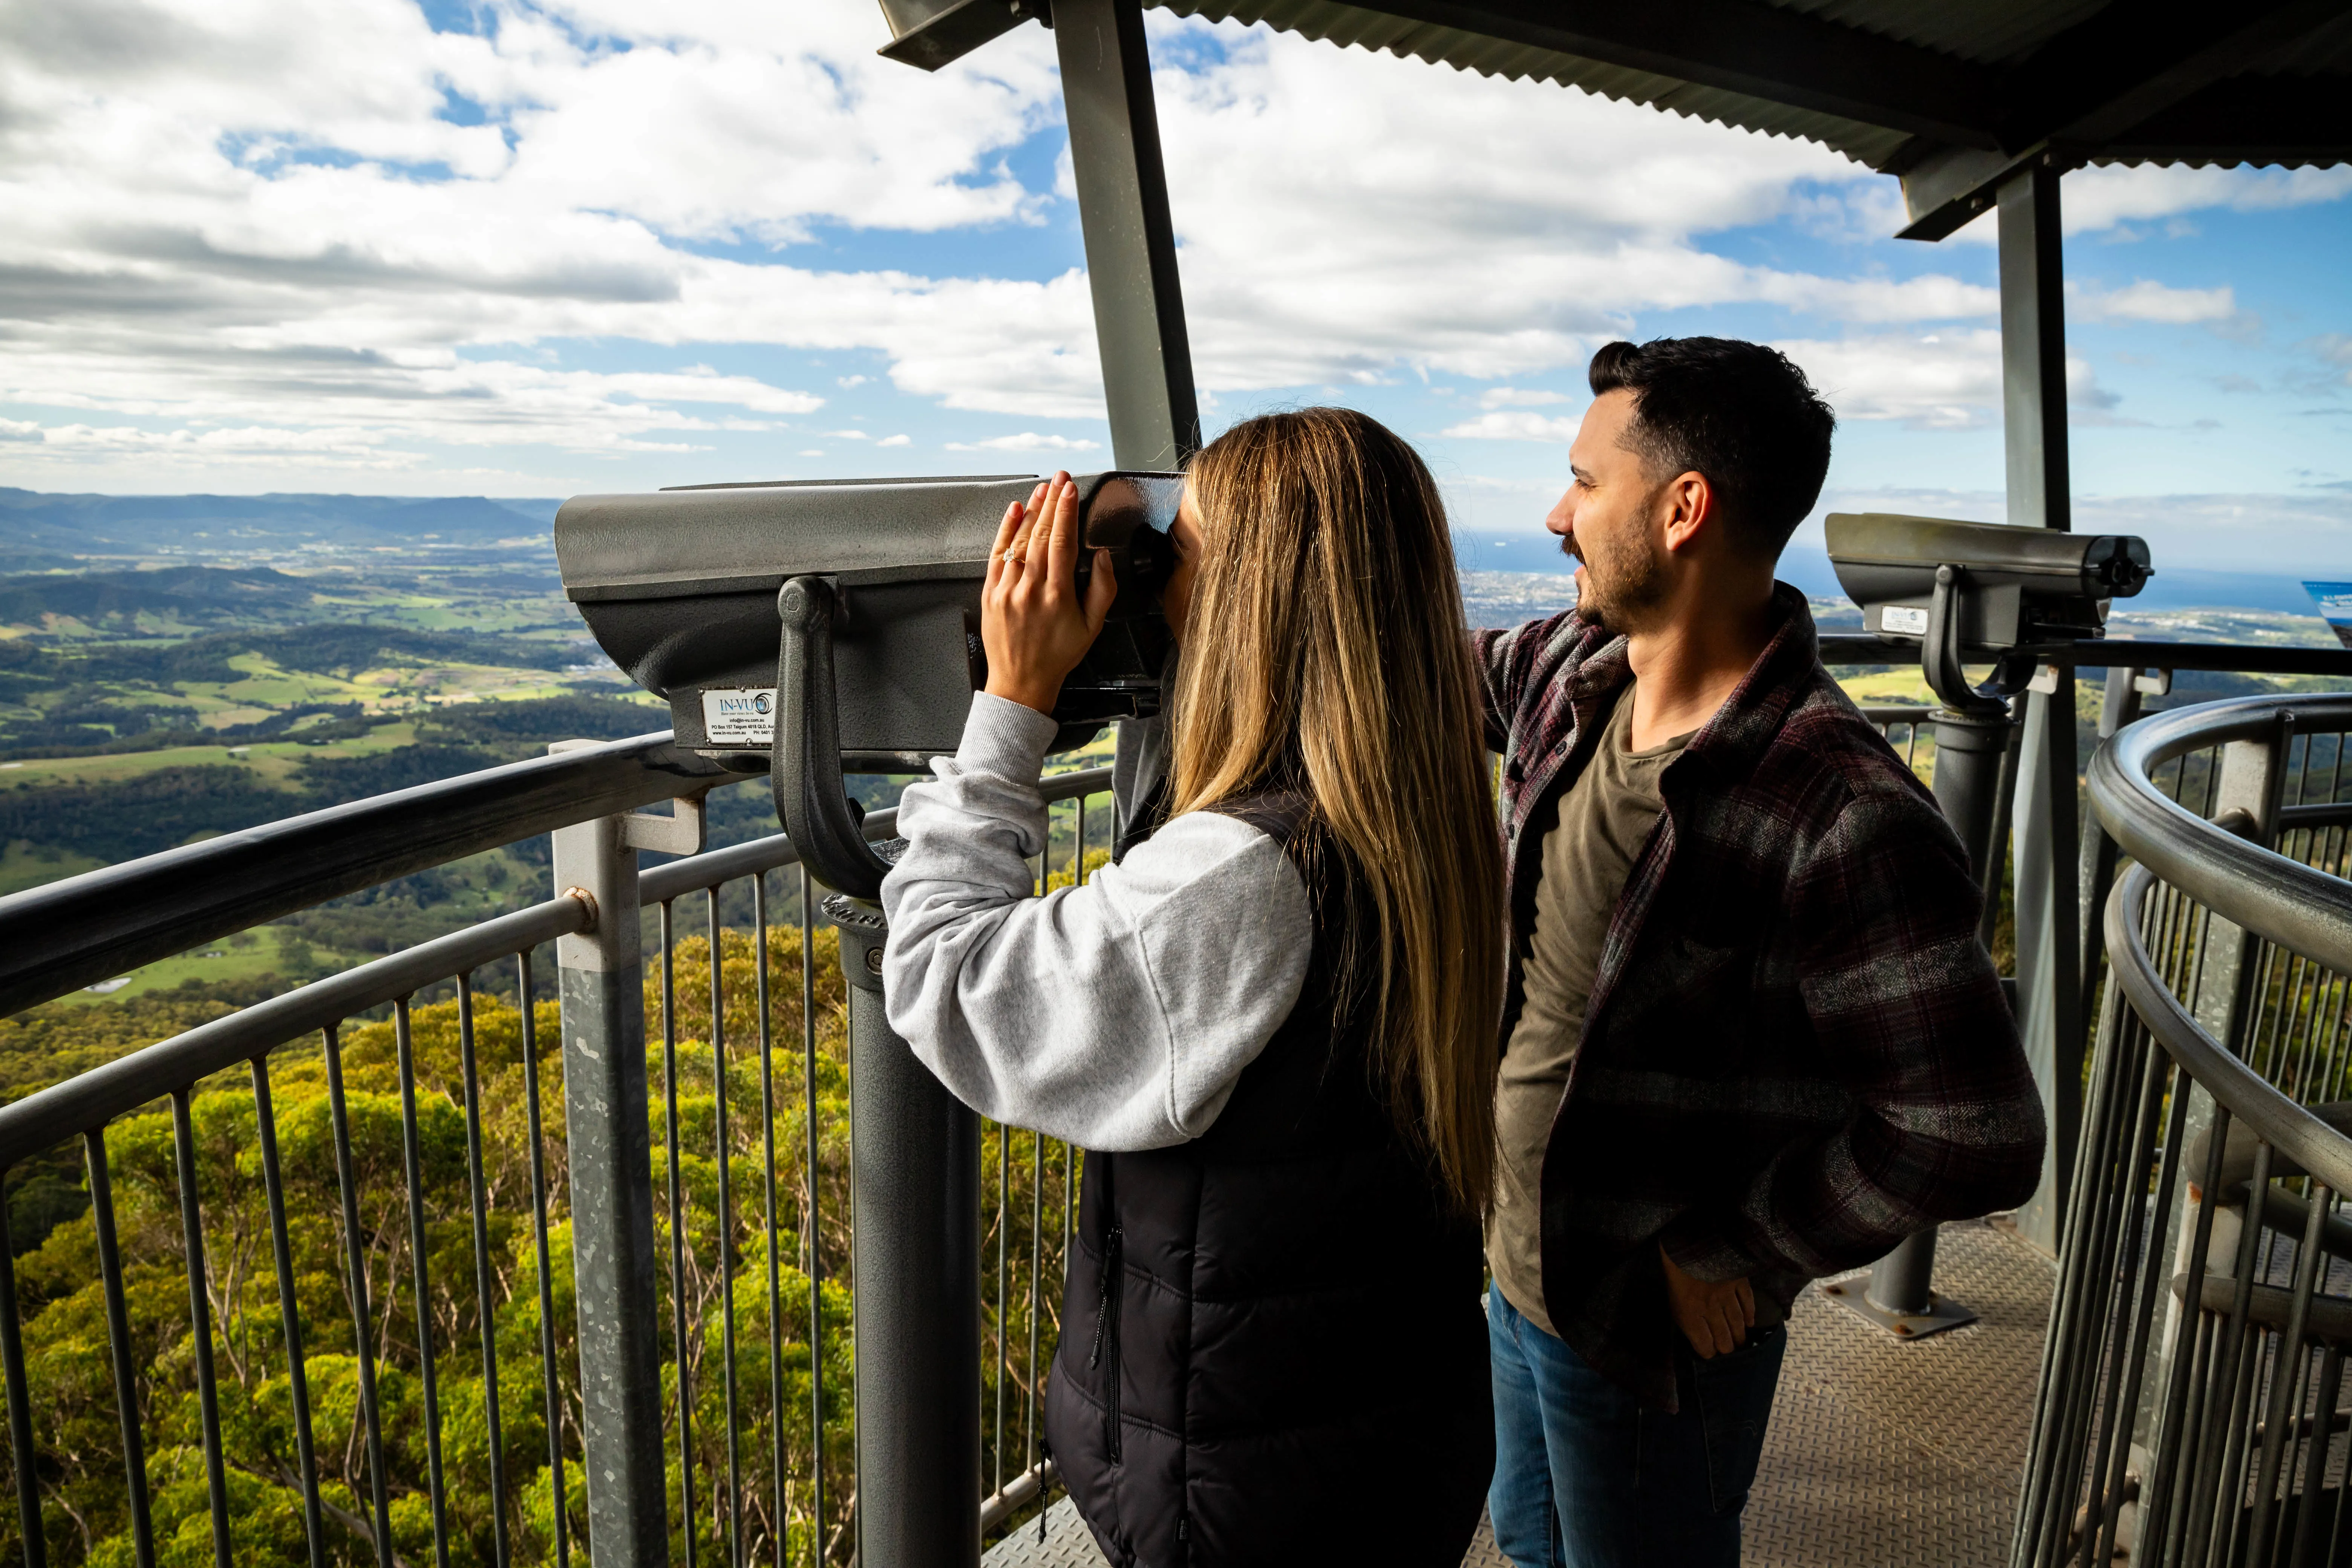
915, 1194
611, 1142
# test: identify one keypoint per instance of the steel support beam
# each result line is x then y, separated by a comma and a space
603, 993
1146, 360
2034, 349
2047, 883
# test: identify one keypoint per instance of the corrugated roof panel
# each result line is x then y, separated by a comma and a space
1987, 32
1983, 31
1354, 27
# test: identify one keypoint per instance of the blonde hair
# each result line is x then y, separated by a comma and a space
1329, 656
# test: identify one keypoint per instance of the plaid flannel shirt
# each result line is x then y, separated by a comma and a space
1796, 1051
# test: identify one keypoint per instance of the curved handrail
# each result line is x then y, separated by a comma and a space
92, 1099
2278, 1120
2294, 905
60, 937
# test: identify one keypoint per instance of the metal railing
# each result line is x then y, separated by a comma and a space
2191, 1398
374, 1237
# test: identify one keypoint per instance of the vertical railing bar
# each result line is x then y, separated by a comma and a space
2253, 1381
2044, 1499
2091, 1319
1004, 1234
483, 1274
21, 1453
2331, 1372
200, 1323
412, 1151
2192, 1372
676, 1233
289, 1312
2230, 1360
809, 1222
2285, 1379
117, 1344
767, 1157
551, 1385
1036, 1275
362, 1332
2180, 1416
2123, 1388
734, 1512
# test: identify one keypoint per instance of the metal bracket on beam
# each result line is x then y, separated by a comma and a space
683, 832
1951, 186
930, 34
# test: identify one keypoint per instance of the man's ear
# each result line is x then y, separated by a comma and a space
1688, 501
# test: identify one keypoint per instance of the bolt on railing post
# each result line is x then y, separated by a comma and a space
611, 1200
915, 1194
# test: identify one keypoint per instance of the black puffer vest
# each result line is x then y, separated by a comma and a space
1272, 1345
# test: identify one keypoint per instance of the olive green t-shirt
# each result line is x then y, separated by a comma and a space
1604, 820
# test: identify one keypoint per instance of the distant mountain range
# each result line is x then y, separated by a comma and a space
39, 530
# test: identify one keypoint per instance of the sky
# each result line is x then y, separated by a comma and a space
537, 250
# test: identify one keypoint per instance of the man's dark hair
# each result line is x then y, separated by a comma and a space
1741, 414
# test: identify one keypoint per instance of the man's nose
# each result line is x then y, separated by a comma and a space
1561, 519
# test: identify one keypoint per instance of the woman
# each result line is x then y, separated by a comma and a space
1273, 1024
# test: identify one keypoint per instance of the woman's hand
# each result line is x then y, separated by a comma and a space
1031, 620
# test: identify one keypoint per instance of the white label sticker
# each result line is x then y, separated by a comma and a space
740, 717
1909, 618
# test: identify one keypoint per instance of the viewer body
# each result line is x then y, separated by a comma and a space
1752, 1038
1271, 1024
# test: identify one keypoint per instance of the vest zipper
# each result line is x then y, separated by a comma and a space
1107, 1332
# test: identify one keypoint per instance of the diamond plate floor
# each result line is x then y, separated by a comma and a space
1879, 1453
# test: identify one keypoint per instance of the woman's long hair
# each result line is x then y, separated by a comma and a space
1327, 654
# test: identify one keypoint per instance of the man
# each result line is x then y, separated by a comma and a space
1751, 1036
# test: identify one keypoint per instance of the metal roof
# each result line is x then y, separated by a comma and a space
1950, 93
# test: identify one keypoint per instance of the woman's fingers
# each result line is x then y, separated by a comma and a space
1016, 548
1006, 532
1060, 496
1061, 536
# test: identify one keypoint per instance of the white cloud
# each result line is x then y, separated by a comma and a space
230, 215
2099, 198
1937, 381
1508, 426
2143, 300
1432, 220
1518, 397
898, 440
1027, 441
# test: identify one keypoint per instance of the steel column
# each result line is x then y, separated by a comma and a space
602, 994
2049, 1018
1146, 360
2033, 350
915, 1193
2047, 887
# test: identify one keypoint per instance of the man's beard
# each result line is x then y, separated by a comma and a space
1623, 584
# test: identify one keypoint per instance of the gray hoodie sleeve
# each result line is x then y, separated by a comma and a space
1117, 1015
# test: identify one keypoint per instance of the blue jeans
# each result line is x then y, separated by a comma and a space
1586, 1477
